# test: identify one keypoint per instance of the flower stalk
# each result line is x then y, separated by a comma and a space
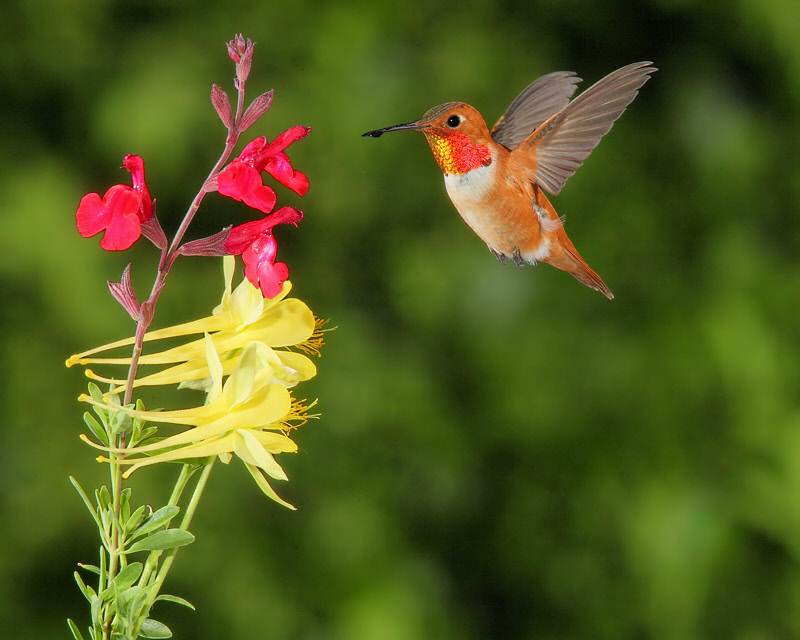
247, 357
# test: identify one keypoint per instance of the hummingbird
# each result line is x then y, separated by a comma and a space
496, 179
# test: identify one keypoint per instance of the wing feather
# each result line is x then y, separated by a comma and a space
560, 145
536, 103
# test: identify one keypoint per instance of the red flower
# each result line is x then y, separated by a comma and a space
257, 246
120, 212
241, 179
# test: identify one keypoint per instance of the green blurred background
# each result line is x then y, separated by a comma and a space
503, 453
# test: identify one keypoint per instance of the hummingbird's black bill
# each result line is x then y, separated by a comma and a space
398, 127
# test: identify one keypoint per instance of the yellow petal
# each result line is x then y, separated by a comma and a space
249, 449
274, 442
267, 406
214, 369
298, 362
194, 416
239, 385
262, 483
287, 323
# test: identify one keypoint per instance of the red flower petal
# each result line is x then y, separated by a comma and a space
260, 269
290, 136
135, 164
243, 183
122, 232
253, 147
279, 167
92, 216
244, 235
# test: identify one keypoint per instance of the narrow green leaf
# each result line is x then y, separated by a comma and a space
95, 392
123, 605
76, 633
147, 432
87, 592
95, 427
103, 569
90, 567
130, 574
103, 497
134, 597
159, 518
154, 629
120, 423
132, 522
96, 607
125, 504
86, 500
163, 540
176, 600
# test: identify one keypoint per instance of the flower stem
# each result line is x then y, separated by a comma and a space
156, 585
146, 314
152, 560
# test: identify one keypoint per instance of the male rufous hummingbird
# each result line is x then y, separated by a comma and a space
496, 179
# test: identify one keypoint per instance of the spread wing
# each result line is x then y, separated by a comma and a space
553, 152
538, 101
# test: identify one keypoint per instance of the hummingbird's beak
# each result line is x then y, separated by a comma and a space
414, 126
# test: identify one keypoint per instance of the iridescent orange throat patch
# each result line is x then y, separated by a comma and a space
456, 153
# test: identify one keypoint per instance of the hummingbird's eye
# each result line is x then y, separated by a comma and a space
453, 121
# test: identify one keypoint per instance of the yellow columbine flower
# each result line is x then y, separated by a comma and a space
242, 317
243, 416
238, 310
247, 343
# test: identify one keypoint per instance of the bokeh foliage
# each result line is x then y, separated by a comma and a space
503, 453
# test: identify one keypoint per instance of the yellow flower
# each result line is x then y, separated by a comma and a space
246, 415
238, 310
242, 317
245, 365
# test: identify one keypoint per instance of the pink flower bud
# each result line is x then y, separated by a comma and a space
257, 108
241, 52
123, 293
222, 105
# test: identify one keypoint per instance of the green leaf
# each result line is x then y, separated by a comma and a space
86, 500
118, 603
103, 568
90, 567
159, 518
95, 427
133, 599
130, 574
133, 521
87, 592
147, 432
176, 600
95, 392
154, 629
103, 497
163, 540
96, 606
75, 631
120, 423
125, 504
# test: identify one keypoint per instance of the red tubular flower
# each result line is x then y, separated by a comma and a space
135, 165
257, 246
261, 268
120, 212
241, 179
242, 182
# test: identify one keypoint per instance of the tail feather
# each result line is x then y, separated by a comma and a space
585, 274
563, 254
